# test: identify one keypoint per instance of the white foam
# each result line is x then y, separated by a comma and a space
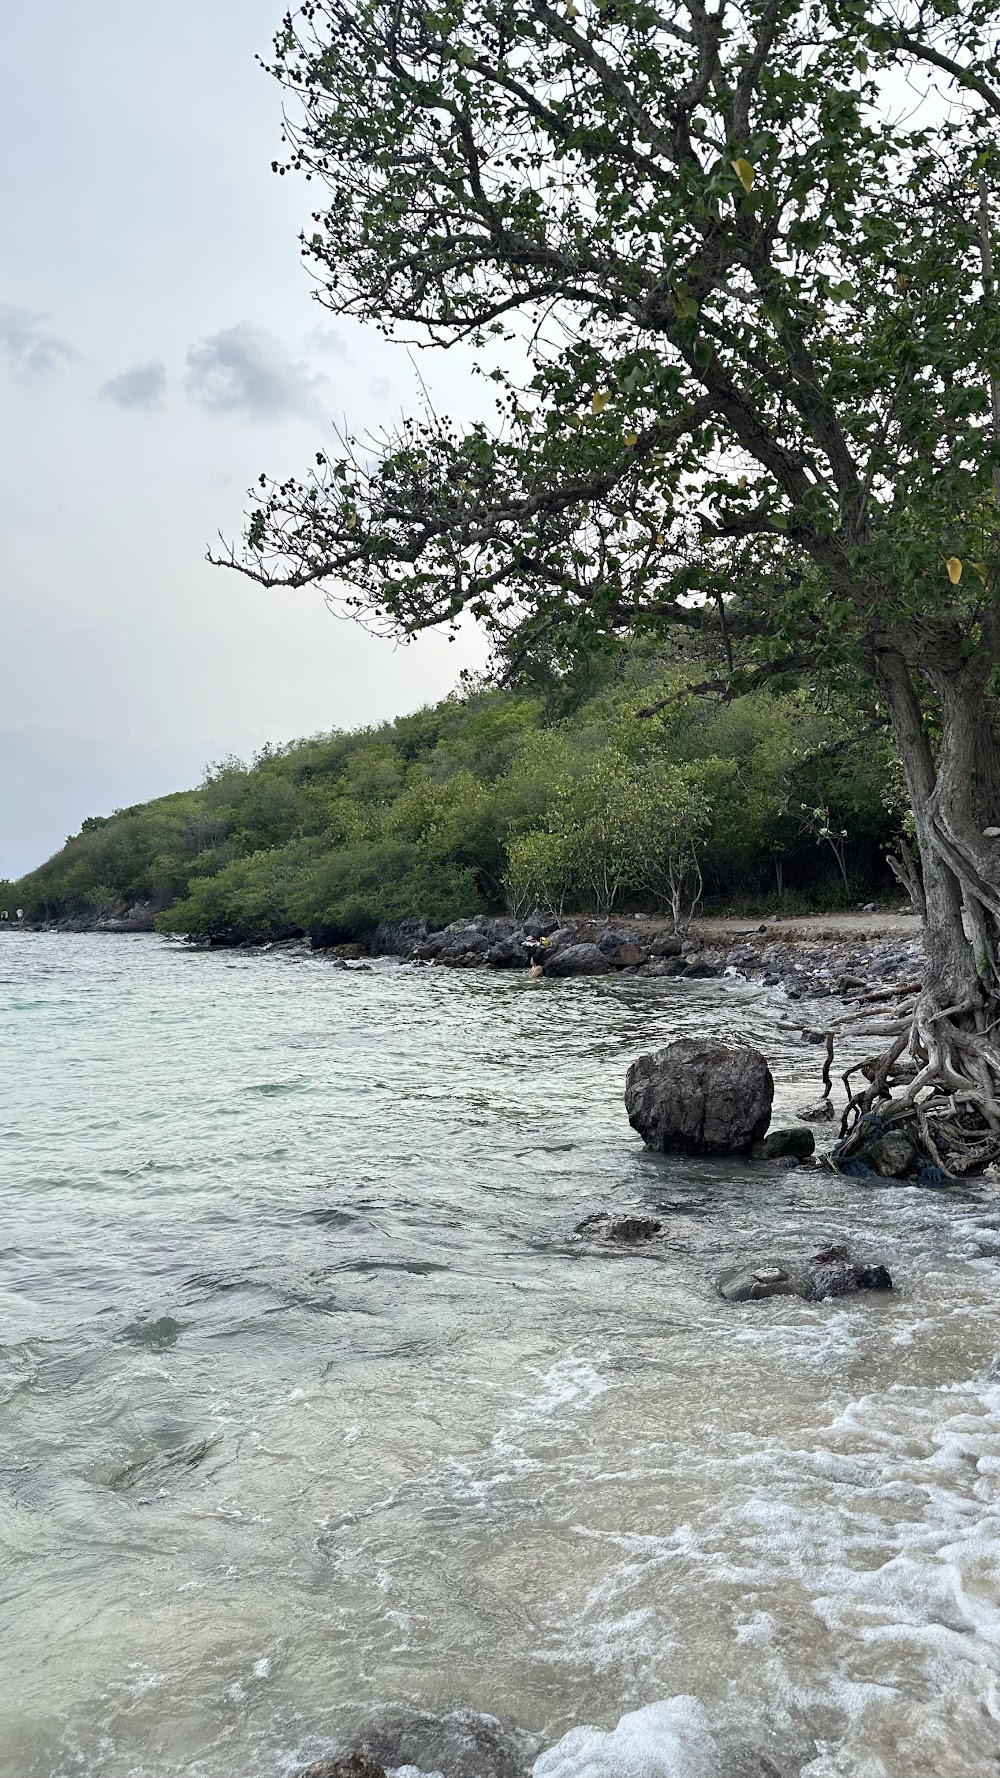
670, 1739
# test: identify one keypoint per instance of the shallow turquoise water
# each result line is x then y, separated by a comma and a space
312, 1407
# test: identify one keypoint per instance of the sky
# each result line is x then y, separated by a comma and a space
159, 349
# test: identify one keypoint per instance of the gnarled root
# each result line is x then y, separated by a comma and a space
937, 1082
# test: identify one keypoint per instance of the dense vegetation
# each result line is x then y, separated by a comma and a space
556, 791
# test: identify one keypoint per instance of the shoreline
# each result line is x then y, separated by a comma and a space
808, 955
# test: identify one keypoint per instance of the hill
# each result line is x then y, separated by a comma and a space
558, 792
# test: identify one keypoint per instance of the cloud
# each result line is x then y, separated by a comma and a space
244, 369
142, 386
24, 338
326, 339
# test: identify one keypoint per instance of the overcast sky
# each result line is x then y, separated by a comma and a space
159, 348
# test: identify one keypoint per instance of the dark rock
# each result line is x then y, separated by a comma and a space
746, 1762
464, 948
348, 1765
508, 953
462, 1744
893, 1155
831, 1272
847, 983
699, 971
667, 945
539, 925
834, 1272
396, 938
623, 950
821, 1113
745, 1284
560, 938
156, 1336
700, 1097
431, 947
786, 1163
619, 1228
797, 1142
577, 960
814, 1036
496, 927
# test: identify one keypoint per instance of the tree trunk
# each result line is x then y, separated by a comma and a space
942, 1053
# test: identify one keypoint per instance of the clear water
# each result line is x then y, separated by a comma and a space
313, 1409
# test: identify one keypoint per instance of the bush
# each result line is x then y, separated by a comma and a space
348, 893
247, 900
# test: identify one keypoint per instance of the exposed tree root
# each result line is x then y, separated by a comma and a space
937, 1082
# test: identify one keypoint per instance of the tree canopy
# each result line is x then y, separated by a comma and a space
758, 399
748, 254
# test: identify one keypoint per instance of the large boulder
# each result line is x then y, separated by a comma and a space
623, 950
396, 938
556, 941
577, 960
463, 946
509, 953
700, 1097
539, 925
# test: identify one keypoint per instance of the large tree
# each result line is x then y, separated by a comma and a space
746, 257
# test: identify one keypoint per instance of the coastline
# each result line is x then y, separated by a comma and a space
809, 955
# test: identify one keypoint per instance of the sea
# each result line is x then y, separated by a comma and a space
321, 1426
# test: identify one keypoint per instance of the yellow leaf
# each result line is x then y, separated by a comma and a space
631, 438
743, 171
572, 12
599, 401
954, 568
981, 570
661, 540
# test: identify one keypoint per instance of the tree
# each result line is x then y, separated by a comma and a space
762, 398
617, 826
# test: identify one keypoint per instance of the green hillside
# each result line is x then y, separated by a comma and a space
557, 792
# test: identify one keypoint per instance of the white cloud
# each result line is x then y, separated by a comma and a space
244, 369
26, 340
142, 386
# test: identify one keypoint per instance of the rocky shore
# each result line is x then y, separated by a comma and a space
809, 958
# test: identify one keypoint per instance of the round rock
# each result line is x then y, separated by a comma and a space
699, 1097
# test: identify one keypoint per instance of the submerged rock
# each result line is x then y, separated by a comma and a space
798, 1143
461, 1744
833, 1271
700, 1097
821, 1113
619, 1228
664, 966
577, 960
348, 1765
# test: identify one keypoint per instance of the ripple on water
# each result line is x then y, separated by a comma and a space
316, 1413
